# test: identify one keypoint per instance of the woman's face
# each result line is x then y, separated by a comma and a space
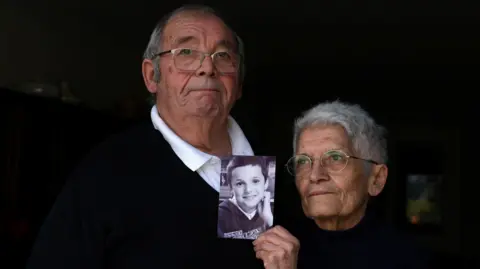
248, 186
331, 194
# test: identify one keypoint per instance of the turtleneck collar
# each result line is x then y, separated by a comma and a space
361, 229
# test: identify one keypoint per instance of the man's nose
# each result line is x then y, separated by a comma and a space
318, 172
207, 68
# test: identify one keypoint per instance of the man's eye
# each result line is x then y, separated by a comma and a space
185, 52
223, 55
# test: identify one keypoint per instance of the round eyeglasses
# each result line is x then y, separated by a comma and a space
332, 161
190, 59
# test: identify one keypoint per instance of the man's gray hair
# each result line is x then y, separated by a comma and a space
155, 43
367, 137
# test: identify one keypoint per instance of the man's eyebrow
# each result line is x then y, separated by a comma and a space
183, 39
187, 39
227, 44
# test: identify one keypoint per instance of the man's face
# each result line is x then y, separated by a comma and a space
204, 92
248, 186
327, 194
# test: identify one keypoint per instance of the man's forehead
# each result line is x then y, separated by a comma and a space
190, 27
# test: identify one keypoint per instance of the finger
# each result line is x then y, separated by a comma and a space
268, 259
267, 196
282, 244
266, 246
261, 254
265, 256
282, 232
263, 237
276, 231
271, 238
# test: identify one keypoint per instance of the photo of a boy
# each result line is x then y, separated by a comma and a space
248, 211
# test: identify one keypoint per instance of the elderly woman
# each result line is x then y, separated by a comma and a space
339, 164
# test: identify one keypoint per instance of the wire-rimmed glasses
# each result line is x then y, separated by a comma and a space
190, 59
332, 161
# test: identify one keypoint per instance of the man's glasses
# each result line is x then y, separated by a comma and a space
190, 59
332, 161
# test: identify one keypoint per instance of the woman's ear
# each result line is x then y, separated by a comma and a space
377, 180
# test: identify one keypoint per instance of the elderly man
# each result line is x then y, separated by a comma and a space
339, 163
148, 198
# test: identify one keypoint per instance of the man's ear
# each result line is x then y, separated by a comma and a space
239, 92
377, 180
266, 183
148, 72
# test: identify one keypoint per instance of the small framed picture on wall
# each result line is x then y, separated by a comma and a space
421, 171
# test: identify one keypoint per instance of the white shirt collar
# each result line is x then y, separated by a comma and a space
192, 157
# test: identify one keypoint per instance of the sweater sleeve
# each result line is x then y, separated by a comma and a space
71, 235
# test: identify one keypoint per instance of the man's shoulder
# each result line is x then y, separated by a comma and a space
129, 140
125, 149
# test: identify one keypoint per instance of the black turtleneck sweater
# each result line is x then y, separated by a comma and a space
370, 244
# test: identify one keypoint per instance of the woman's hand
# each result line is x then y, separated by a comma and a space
277, 248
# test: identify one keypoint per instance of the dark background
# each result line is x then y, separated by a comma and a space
412, 64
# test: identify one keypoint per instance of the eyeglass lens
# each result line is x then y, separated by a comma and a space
331, 160
188, 59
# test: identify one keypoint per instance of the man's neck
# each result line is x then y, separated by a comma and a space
208, 134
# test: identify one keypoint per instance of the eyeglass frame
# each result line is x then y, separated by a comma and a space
204, 55
334, 150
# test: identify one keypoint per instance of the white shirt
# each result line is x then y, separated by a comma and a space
206, 165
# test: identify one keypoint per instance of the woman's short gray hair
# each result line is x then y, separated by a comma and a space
367, 137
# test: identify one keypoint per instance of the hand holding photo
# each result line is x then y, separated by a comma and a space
247, 188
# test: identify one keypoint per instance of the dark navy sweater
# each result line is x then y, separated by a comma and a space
133, 203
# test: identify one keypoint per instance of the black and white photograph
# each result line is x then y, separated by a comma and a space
247, 194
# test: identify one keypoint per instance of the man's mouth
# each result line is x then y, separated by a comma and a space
207, 90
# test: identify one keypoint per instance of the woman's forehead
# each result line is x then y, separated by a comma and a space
318, 140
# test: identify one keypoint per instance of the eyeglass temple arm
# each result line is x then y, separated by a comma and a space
367, 160
162, 53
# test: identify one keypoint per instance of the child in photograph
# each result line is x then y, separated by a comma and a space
248, 212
